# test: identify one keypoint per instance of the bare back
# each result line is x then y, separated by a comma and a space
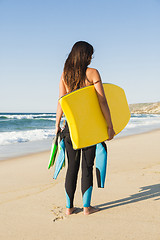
91, 78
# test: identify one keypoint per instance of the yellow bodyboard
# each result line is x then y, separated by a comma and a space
85, 119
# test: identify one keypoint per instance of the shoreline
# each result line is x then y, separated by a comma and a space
24, 149
24, 156
48, 150
136, 134
36, 132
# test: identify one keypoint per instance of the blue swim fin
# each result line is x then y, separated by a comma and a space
60, 162
101, 163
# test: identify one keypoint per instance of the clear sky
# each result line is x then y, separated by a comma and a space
36, 36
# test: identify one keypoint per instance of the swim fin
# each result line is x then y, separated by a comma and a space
54, 149
60, 162
101, 164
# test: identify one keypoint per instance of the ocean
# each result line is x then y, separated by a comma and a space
23, 133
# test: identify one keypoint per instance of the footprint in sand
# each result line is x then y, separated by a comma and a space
59, 213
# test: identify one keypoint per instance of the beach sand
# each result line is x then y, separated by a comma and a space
32, 204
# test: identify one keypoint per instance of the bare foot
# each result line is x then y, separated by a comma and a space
90, 210
69, 211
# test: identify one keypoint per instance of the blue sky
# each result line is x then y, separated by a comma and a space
36, 36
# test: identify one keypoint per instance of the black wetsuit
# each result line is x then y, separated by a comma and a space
88, 155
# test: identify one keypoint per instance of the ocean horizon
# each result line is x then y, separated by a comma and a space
24, 133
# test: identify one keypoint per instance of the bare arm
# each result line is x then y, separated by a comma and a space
59, 113
103, 102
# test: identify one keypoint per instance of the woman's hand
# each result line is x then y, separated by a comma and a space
111, 133
58, 129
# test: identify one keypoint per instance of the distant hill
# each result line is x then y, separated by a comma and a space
150, 108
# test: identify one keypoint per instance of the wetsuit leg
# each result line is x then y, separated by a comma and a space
72, 170
88, 155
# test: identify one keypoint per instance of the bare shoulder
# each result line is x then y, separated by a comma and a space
92, 71
93, 74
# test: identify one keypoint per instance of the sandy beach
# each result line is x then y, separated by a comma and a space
32, 204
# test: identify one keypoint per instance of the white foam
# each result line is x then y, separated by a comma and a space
143, 121
7, 138
137, 122
28, 116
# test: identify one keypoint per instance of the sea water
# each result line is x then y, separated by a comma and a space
140, 123
23, 133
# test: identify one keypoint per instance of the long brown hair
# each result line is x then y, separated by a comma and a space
76, 65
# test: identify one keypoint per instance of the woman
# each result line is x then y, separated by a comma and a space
76, 75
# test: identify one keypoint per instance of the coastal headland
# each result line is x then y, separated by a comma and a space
145, 108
